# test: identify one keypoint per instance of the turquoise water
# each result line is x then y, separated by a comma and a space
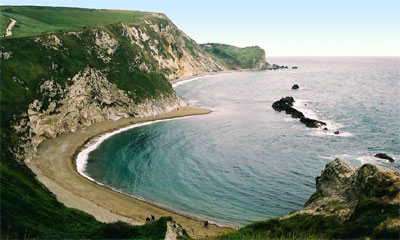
245, 161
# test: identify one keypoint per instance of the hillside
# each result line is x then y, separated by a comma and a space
63, 69
237, 58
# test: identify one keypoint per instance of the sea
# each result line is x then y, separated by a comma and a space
245, 162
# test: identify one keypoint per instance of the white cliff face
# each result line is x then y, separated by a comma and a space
89, 99
179, 60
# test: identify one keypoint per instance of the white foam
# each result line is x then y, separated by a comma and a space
300, 104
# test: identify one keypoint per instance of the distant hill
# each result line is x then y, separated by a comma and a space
237, 58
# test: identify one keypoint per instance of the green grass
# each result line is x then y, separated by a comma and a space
33, 20
234, 57
362, 224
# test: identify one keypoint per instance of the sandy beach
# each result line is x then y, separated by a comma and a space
55, 168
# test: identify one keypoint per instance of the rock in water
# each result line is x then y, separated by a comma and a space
294, 67
384, 156
311, 123
336, 132
295, 87
285, 104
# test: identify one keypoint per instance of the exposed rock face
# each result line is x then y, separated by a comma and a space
384, 156
89, 99
183, 56
341, 187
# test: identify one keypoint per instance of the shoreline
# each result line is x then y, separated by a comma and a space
55, 167
182, 80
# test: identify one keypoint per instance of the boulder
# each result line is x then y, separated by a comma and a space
295, 87
311, 123
336, 132
384, 156
294, 67
341, 187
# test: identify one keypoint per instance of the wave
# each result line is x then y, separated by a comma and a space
300, 104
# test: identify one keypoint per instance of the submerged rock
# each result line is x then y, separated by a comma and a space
295, 87
311, 123
384, 156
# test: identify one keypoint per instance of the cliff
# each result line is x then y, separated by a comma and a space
349, 203
232, 57
63, 69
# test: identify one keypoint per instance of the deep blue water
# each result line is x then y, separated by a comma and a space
247, 162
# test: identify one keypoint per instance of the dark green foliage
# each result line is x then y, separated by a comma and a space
363, 223
235, 58
121, 230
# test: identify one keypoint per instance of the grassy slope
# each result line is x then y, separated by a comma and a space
28, 209
362, 224
235, 57
37, 20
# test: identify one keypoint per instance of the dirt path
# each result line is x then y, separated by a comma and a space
10, 26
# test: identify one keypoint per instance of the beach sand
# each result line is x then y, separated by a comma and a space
55, 168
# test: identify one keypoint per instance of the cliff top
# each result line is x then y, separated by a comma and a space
35, 20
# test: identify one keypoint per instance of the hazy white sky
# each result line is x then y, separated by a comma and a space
282, 28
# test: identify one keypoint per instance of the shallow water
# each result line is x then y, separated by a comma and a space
245, 161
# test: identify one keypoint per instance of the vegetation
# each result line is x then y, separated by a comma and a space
234, 57
28, 209
34, 20
363, 223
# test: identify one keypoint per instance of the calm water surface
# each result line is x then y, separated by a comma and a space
245, 161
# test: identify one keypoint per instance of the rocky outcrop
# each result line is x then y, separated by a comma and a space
286, 104
89, 99
174, 231
295, 87
341, 187
384, 156
312, 123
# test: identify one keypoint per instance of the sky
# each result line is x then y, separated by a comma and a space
281, 27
